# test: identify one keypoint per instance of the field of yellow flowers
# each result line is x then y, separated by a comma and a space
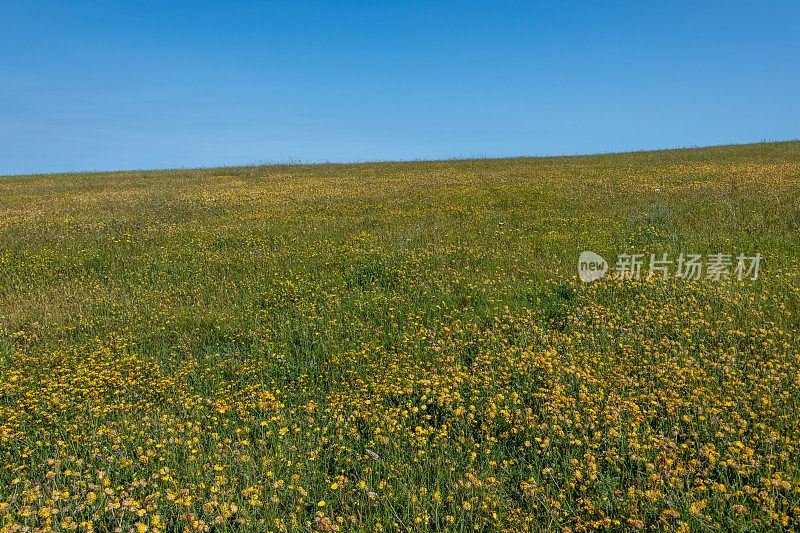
401, 347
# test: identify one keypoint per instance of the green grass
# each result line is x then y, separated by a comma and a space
284, 319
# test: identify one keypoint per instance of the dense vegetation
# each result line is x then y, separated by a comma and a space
401, 346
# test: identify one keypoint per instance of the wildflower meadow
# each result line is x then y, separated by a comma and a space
402, 347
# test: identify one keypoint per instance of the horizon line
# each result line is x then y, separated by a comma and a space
293, 162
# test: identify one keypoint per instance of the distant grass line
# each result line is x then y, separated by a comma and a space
774, 151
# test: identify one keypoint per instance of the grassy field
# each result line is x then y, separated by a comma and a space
401, 346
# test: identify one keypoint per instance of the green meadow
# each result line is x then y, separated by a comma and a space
403, 346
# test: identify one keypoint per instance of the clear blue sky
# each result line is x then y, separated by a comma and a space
130, 85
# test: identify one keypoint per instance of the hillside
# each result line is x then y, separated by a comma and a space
404, 345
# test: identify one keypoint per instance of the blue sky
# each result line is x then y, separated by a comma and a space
113, 85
